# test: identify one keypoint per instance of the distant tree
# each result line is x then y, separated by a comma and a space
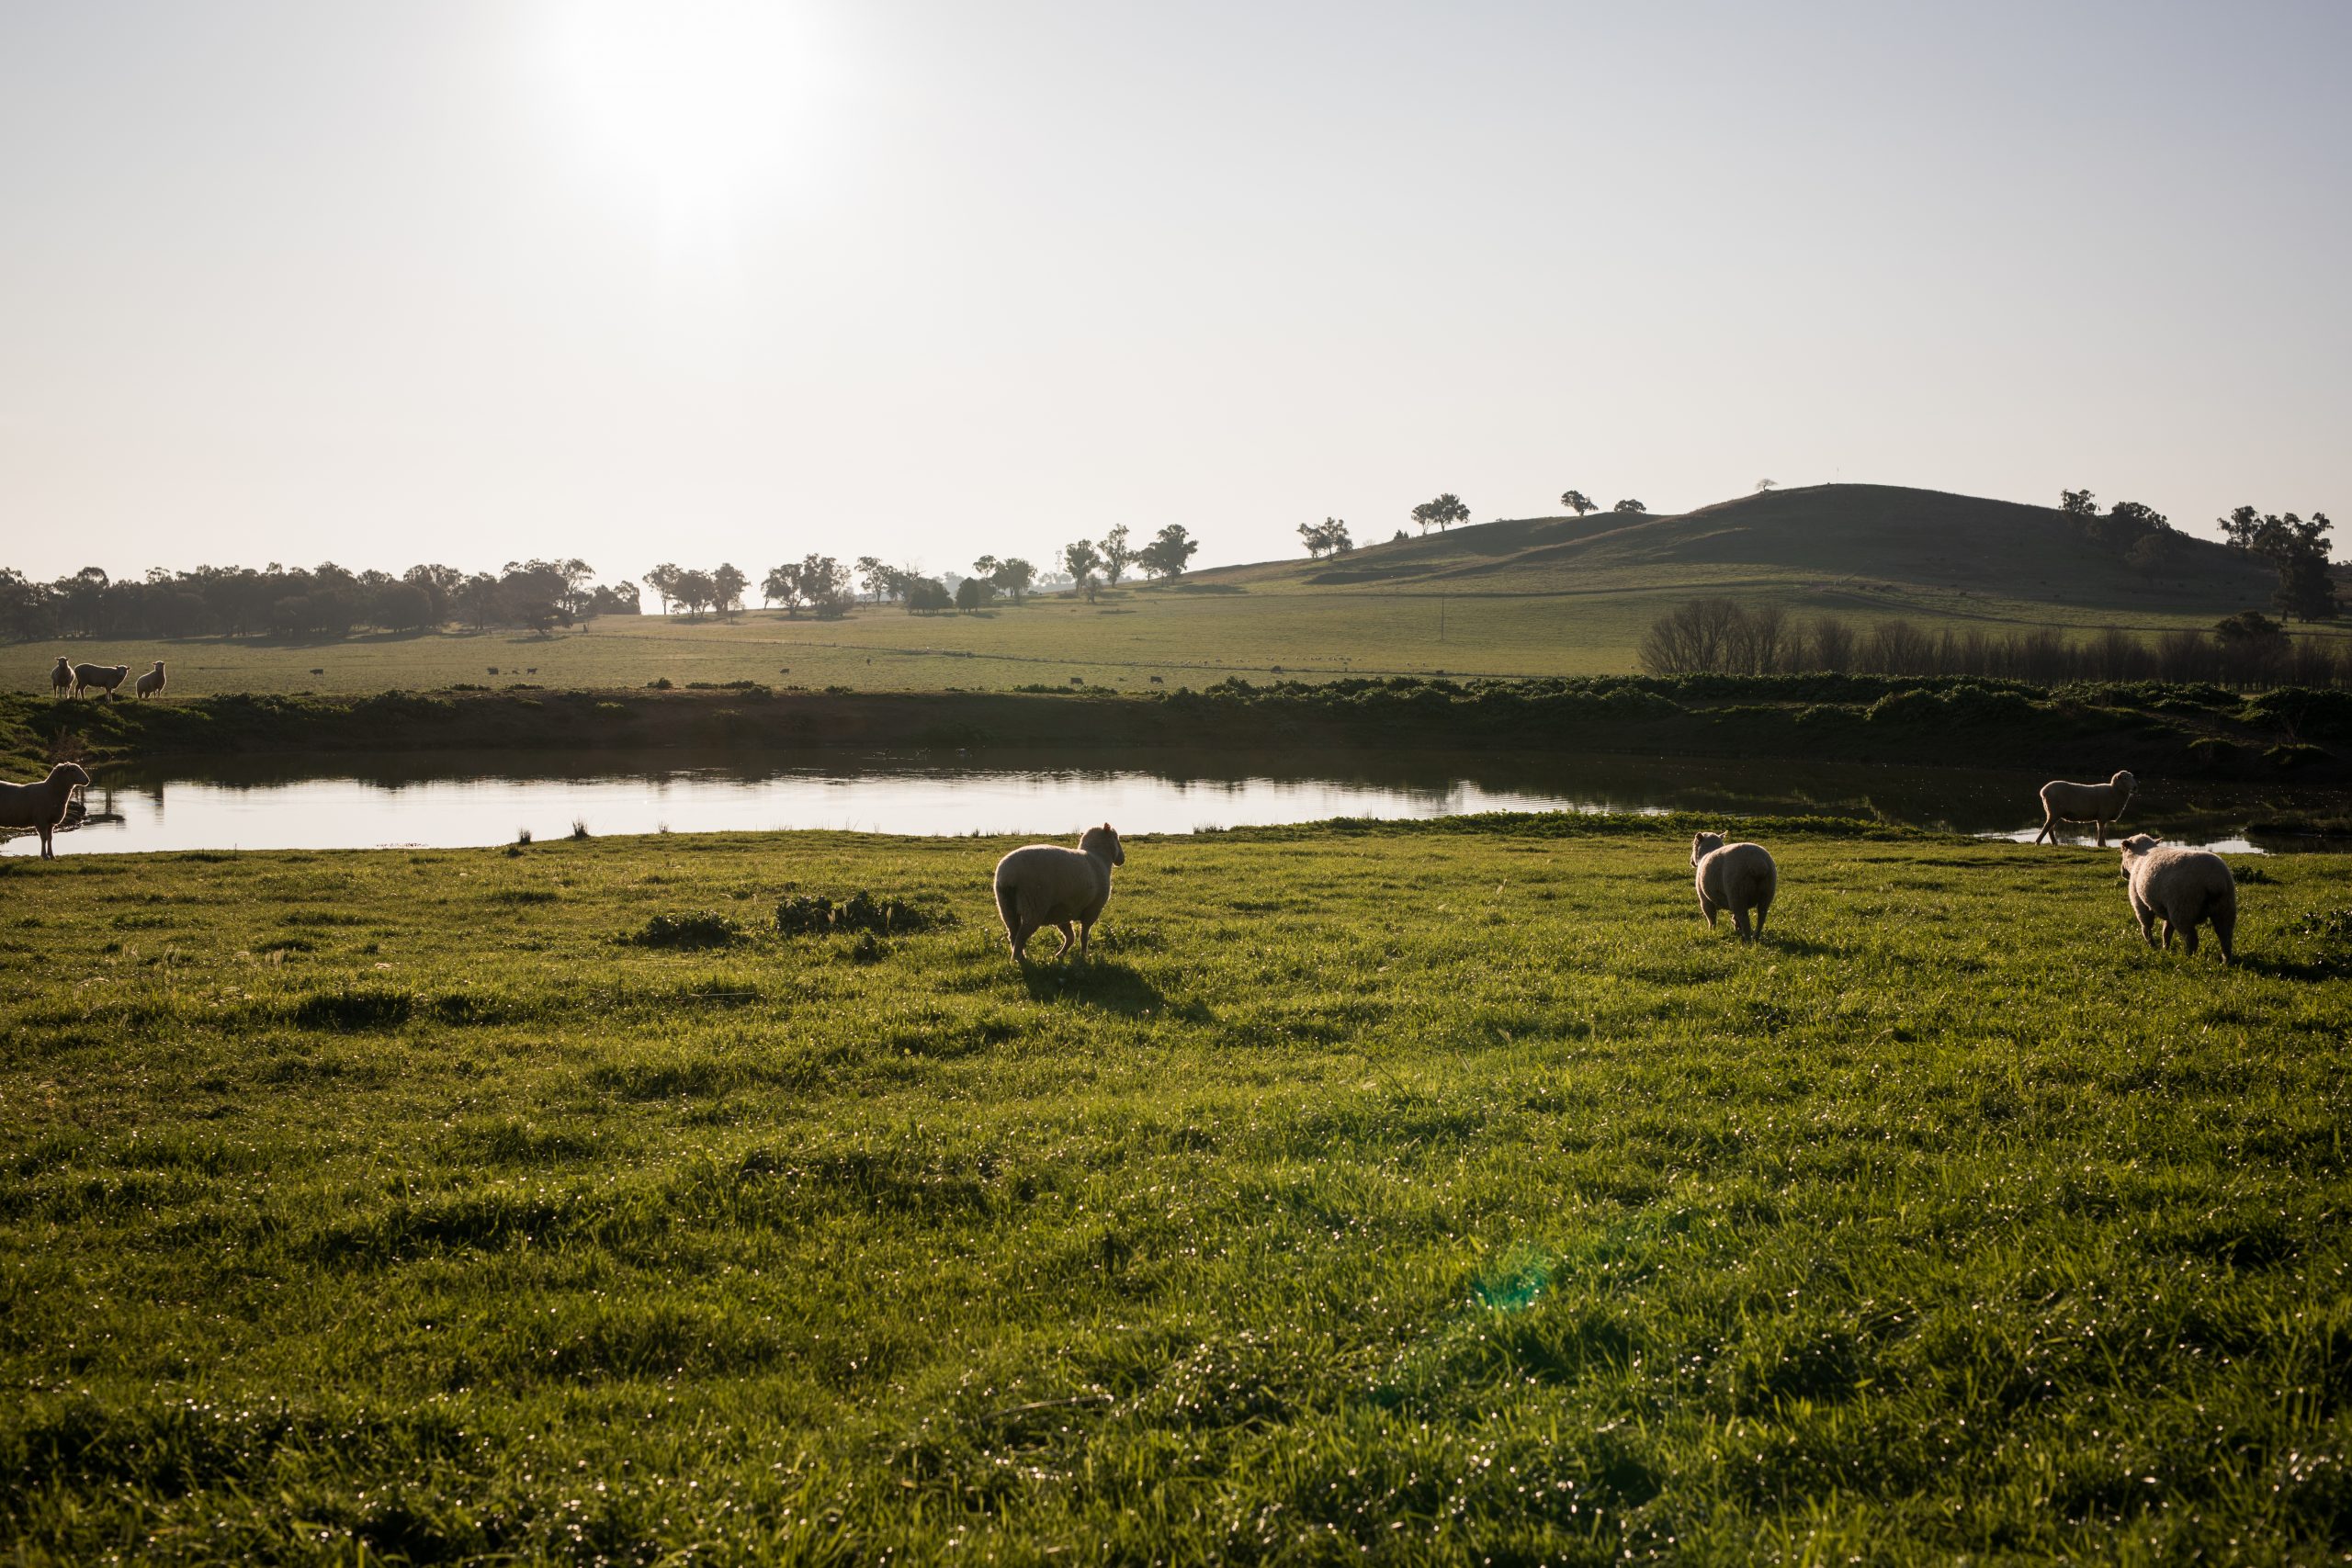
825, 586
1630, 505
879, 581
664, 581
2298, 548
1445, 511
1082, 560
438, 584
1116, 554
985, 566
1327, 537
696, 590
781, 586
2076, 503
974, 593
925, 595
2131, 511
1765, 486
727, 583
1014, 575
477, 601
1166, 556
618, 599
1577, 502
531, 593
1398, 537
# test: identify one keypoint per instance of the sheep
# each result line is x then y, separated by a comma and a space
2099, 804
60, 677
99, 678
41, 807
150, 684
2183, 887
1044, 884
1738, 877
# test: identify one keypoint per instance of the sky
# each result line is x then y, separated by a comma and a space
477, 280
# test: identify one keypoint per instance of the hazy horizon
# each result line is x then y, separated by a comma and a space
476, 282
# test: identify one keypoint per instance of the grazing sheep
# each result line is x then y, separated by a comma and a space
1044, 884
99, 678
41, 807
60, 677
150, 684
2099, 804
2182, 887
1738, 877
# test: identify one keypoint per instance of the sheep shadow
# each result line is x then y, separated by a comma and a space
1103, 983
2272, 967
1774, 941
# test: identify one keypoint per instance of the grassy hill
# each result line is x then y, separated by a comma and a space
1865, 540
1535, 596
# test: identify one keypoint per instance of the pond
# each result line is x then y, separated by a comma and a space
347, 801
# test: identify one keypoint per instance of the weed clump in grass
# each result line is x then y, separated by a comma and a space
815, 915
660, 684
579, 827
698, 927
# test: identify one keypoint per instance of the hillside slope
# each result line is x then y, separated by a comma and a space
1821, 538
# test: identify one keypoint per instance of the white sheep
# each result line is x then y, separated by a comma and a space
2099, 804
1046, 884
98, 678
2182, 887
1738, 877
41, 807
150, 684
60, 677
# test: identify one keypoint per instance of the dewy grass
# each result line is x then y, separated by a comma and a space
1403, 1195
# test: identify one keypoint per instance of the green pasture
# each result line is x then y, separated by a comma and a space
1432, 1194
1179, 636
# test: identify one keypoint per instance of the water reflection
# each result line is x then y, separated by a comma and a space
475, 799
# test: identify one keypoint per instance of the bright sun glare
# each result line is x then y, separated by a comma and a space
702, 107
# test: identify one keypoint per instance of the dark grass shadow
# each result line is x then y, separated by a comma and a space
1773, 942
1107, 984
2271, 966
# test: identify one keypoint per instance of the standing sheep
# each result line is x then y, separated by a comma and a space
1044, 884
150, 684
60, 677
41, 807
99, 678
1738, 877
2099, 804
2182, 887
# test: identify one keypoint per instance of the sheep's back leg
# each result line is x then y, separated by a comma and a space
2101, 826
1739, 920
1707, 910
2224, 928
1063, 927
2147, 921
2189, 937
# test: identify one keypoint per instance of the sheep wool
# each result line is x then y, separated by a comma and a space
1738, 877
41, 807
150, 684
99, 678
1046, 884
2099, 804
60, 677
2184, 889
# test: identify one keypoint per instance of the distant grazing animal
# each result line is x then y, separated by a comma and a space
2183, 888
1738, 877
1160, 680
60, 677
1044, 884
150, 684
99, 678
2100, 804
41, 807
493, 669
318, 671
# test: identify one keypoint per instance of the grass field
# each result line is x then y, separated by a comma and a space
1434, 1194
1533, 597
1122, 643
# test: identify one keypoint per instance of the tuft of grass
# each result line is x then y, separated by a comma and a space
700, 928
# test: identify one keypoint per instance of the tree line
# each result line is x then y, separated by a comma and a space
1717, 636
326, 600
